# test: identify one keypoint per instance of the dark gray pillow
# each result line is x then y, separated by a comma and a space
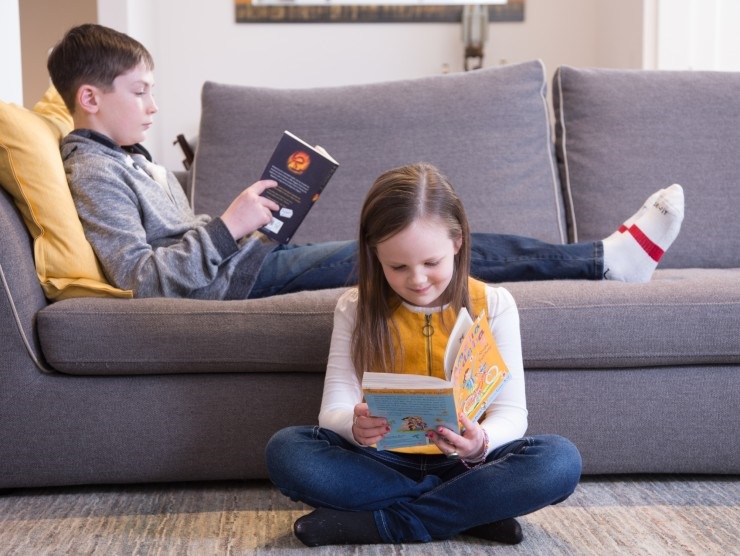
488, 130
622, 134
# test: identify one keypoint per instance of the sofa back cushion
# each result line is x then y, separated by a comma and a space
487, 130
622, 134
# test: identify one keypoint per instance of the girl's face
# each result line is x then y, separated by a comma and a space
419, 262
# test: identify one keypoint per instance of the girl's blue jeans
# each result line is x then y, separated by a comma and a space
421, 498
494, 258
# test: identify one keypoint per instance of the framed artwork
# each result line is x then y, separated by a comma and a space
347, 11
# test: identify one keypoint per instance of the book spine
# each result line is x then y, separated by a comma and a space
329, 174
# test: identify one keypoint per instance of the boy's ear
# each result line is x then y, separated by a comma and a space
87, 98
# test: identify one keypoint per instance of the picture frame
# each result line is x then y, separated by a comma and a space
247, 12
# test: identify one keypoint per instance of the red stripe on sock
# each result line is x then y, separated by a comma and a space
653, 250
622, 229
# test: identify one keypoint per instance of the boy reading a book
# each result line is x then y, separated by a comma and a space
148, 240
414, 263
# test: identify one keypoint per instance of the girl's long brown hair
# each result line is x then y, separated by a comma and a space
398, 198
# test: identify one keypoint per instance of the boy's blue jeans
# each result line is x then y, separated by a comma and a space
494, 258
417, 498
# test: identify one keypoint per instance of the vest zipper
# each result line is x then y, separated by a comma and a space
428, 331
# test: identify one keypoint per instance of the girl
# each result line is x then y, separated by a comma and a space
414, 259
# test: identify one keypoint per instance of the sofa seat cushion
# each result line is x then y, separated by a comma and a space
622, 134
153, 336
680, 317
487, 130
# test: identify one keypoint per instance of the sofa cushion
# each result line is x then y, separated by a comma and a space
681, 317
622, 134
31, 171
287, 333
488, 130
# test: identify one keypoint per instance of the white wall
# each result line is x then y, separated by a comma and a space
698, 34
194, 41
11, 85
619, 29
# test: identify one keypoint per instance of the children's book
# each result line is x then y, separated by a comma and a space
414, 404
302, 172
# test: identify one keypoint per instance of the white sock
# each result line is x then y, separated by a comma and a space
632, 253
650, 201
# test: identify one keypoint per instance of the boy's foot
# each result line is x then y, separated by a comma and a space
649, 202
507, 531
632, 253
325, 526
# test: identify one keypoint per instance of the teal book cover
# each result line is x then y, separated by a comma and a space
414, 403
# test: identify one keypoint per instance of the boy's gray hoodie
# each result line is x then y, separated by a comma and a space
139, 222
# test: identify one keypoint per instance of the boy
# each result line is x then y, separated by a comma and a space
142, 229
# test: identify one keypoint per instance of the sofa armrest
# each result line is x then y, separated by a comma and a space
185, 177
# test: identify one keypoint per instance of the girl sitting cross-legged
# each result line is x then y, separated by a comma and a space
413, 264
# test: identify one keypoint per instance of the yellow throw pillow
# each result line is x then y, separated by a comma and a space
31, 171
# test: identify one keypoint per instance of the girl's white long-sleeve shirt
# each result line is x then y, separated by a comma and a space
504, 420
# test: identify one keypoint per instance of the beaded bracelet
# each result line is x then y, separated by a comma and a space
482, 456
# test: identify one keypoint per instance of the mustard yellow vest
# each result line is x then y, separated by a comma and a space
424, 339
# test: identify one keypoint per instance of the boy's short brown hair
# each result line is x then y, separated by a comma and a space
93, 54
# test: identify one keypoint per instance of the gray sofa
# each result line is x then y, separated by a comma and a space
644, 378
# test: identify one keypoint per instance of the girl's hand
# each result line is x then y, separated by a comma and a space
250, 211
468, 446
367, 429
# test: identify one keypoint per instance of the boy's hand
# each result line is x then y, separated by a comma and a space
366, 429
250, 211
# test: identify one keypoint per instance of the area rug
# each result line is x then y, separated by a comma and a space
663, 515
